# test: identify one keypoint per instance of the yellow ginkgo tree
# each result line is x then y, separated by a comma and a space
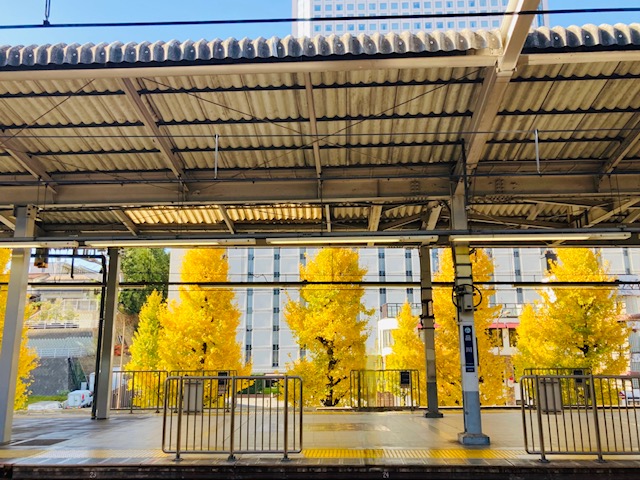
574, 327
199, 331
408, 348
144, 345
28, 359
492, 368
329, 323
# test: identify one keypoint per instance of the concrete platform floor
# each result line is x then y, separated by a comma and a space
402, 445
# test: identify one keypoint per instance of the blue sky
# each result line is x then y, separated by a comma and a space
15, 12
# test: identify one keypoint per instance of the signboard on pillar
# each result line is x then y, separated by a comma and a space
469, 353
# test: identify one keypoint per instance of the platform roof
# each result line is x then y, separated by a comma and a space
366, 135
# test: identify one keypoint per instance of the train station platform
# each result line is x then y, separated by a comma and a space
337, 445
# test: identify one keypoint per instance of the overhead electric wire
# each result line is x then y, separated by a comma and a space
47, 24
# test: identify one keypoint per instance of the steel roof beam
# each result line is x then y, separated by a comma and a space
606, 215
34, 166
514, 30
126, 221
303, 190
433, 211
313, 125
227, 219
632, 217
375, 212
621, 151
327, 214
144, 114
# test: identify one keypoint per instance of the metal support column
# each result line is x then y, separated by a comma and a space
104, 375
427, 326
14, 319
463, 293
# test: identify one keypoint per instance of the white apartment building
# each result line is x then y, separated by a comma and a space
338, 9
268, 342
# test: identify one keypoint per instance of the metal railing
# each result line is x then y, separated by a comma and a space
384, 389
138, 390
232, 415
580, 415
144, 389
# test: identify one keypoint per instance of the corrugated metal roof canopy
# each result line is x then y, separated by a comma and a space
311, 135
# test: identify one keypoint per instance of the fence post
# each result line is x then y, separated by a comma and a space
133, 390
158, 397
592, 390
164, 418
286, 418
233, 419
179, 405
543, 458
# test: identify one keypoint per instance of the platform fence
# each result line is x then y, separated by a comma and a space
384, 389
232, 415
580, 415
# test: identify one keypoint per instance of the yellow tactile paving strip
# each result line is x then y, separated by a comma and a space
410, 453
337, 453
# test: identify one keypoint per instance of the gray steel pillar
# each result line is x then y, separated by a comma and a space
104, 375
14, 319
427, 327
463, 287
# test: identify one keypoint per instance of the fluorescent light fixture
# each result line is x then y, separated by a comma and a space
167, 242
540, 237
33, 243
352, 240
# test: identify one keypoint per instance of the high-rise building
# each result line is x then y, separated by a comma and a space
338, 9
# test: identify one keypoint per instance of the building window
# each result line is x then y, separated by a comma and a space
450, 24
339, 7
328, 28
513, 337
372, 6
496, 23
383, 27
316, 8
361, 27
383, 6
394, 6
460, 4
473, 24
387, 338
427, 4
484, 23
395, 26
361, 6
405, 5
416, 4
428, 26
316, 28
351, 27
416, 25
328, 8
463, 24
449, 5
405, 25
373, 27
